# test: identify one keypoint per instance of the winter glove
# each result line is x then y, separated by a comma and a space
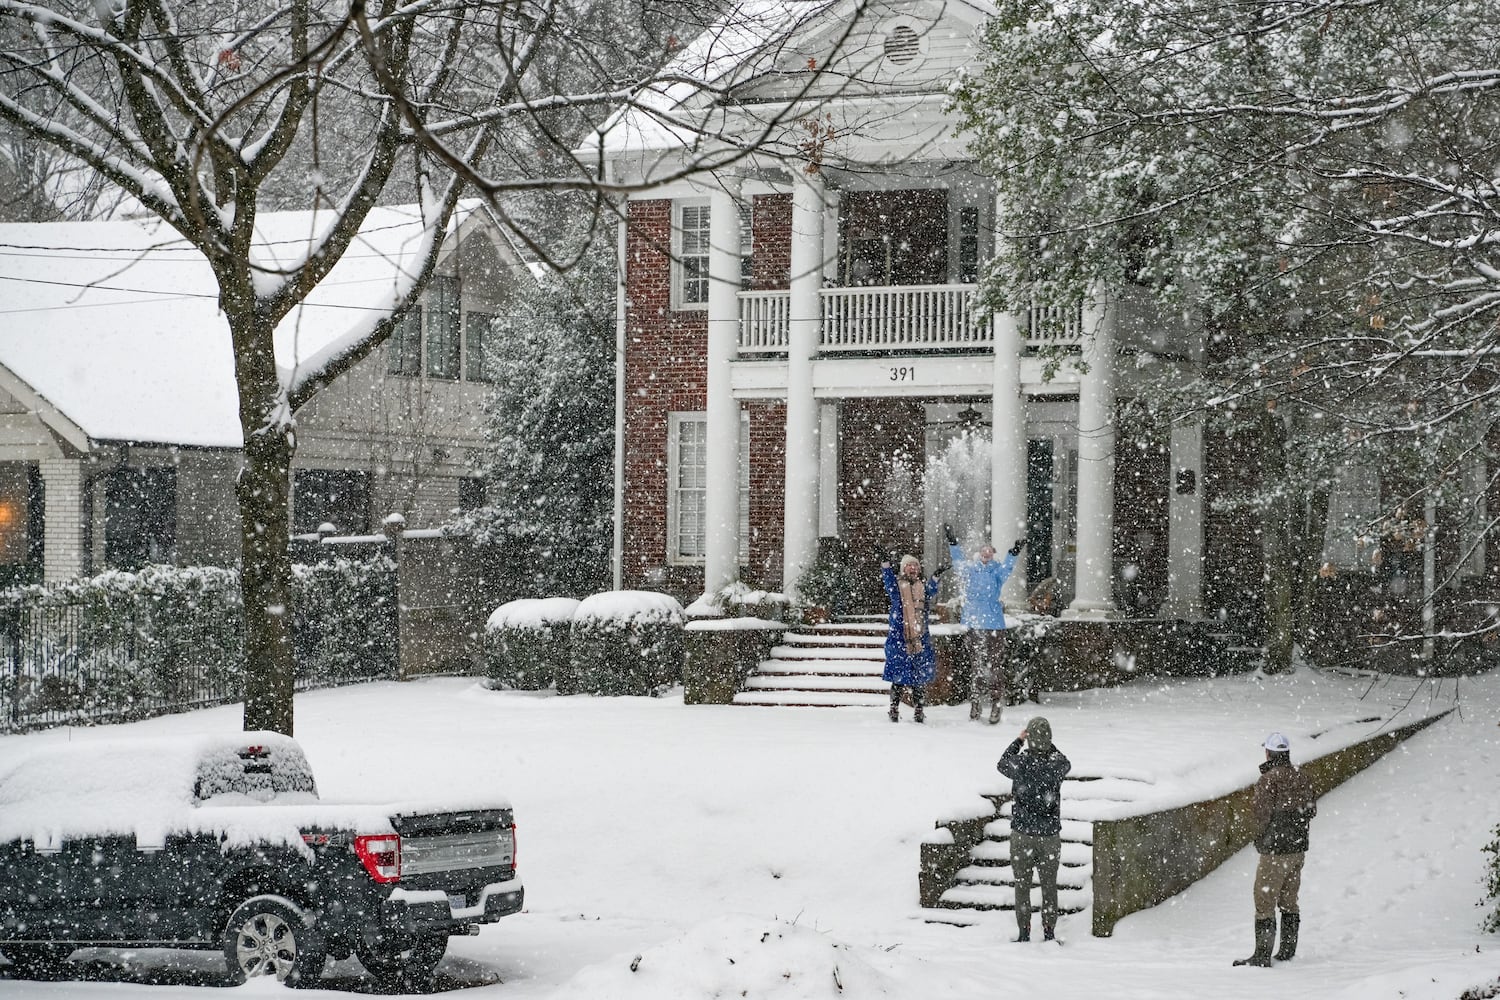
941, 570
881, 555
1015, 549
948, 534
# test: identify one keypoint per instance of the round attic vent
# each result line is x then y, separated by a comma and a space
902, 44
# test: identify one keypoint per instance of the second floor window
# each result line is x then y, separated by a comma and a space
403, 349
443, 342
690, 257
476, 334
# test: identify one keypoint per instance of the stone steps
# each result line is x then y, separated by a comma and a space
987, 881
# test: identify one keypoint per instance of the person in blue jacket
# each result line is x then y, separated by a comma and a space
909, 659
980, 581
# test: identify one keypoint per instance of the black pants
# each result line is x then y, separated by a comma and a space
1042, 855
916, 690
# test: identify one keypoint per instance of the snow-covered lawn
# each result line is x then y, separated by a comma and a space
760, 852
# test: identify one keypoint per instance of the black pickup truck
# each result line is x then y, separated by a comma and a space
223, 843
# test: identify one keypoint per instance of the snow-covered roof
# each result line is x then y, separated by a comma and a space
117, 325
750, 31
749, 39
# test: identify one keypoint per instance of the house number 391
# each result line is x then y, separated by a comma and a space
906, 373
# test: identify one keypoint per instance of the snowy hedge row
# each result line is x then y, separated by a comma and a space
130, 645
617, 642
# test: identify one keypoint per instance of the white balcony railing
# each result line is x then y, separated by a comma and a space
895, 318
902, 318
764, 319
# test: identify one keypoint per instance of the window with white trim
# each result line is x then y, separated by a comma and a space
1352, 535
690, 255
1473, 520
687, 488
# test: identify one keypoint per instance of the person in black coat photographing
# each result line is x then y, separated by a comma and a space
1036, 777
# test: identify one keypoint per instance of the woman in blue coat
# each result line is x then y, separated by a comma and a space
909, 659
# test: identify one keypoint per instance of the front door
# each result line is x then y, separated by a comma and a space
893, 237
1038, 510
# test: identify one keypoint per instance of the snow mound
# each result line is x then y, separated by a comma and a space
533, 613
745, 956
644, 606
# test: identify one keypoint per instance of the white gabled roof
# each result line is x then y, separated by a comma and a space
116, 325
750, 39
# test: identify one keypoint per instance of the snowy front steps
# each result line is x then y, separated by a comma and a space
827, 666
987, 882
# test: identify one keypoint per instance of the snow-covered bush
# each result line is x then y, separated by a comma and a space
625, 642
740, 600
1492, 883
526, 642
345, 623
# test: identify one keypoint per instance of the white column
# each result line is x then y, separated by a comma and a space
63, 555
1185, 525
721, 542
800, 531
1096, 464
1008, 454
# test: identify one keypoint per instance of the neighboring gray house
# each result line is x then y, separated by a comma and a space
119, 434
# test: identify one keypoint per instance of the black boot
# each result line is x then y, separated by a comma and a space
895, 713
1265, 938
1289, 924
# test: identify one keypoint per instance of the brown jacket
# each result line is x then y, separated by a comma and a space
1284, 805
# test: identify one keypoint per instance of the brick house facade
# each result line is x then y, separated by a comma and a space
800, 352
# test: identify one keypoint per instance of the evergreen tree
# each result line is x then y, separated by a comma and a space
549, 467
1312, 183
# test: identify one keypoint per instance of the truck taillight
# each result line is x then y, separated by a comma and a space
515, 846
381, 855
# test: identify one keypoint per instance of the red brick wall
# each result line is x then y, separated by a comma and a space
767, 492
771, 263
664, 372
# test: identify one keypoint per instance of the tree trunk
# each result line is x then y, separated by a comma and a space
266, 581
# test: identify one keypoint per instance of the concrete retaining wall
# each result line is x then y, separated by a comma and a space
1143, 860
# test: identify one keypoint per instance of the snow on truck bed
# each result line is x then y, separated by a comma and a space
151, 788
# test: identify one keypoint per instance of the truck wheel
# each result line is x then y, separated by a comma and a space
412, 965
37, 961
271, 936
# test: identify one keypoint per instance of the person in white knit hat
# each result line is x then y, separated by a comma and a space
1283, 805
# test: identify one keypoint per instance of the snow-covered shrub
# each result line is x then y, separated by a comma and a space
526, 642
625, 642
345, 620
1492, 883
740, 600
